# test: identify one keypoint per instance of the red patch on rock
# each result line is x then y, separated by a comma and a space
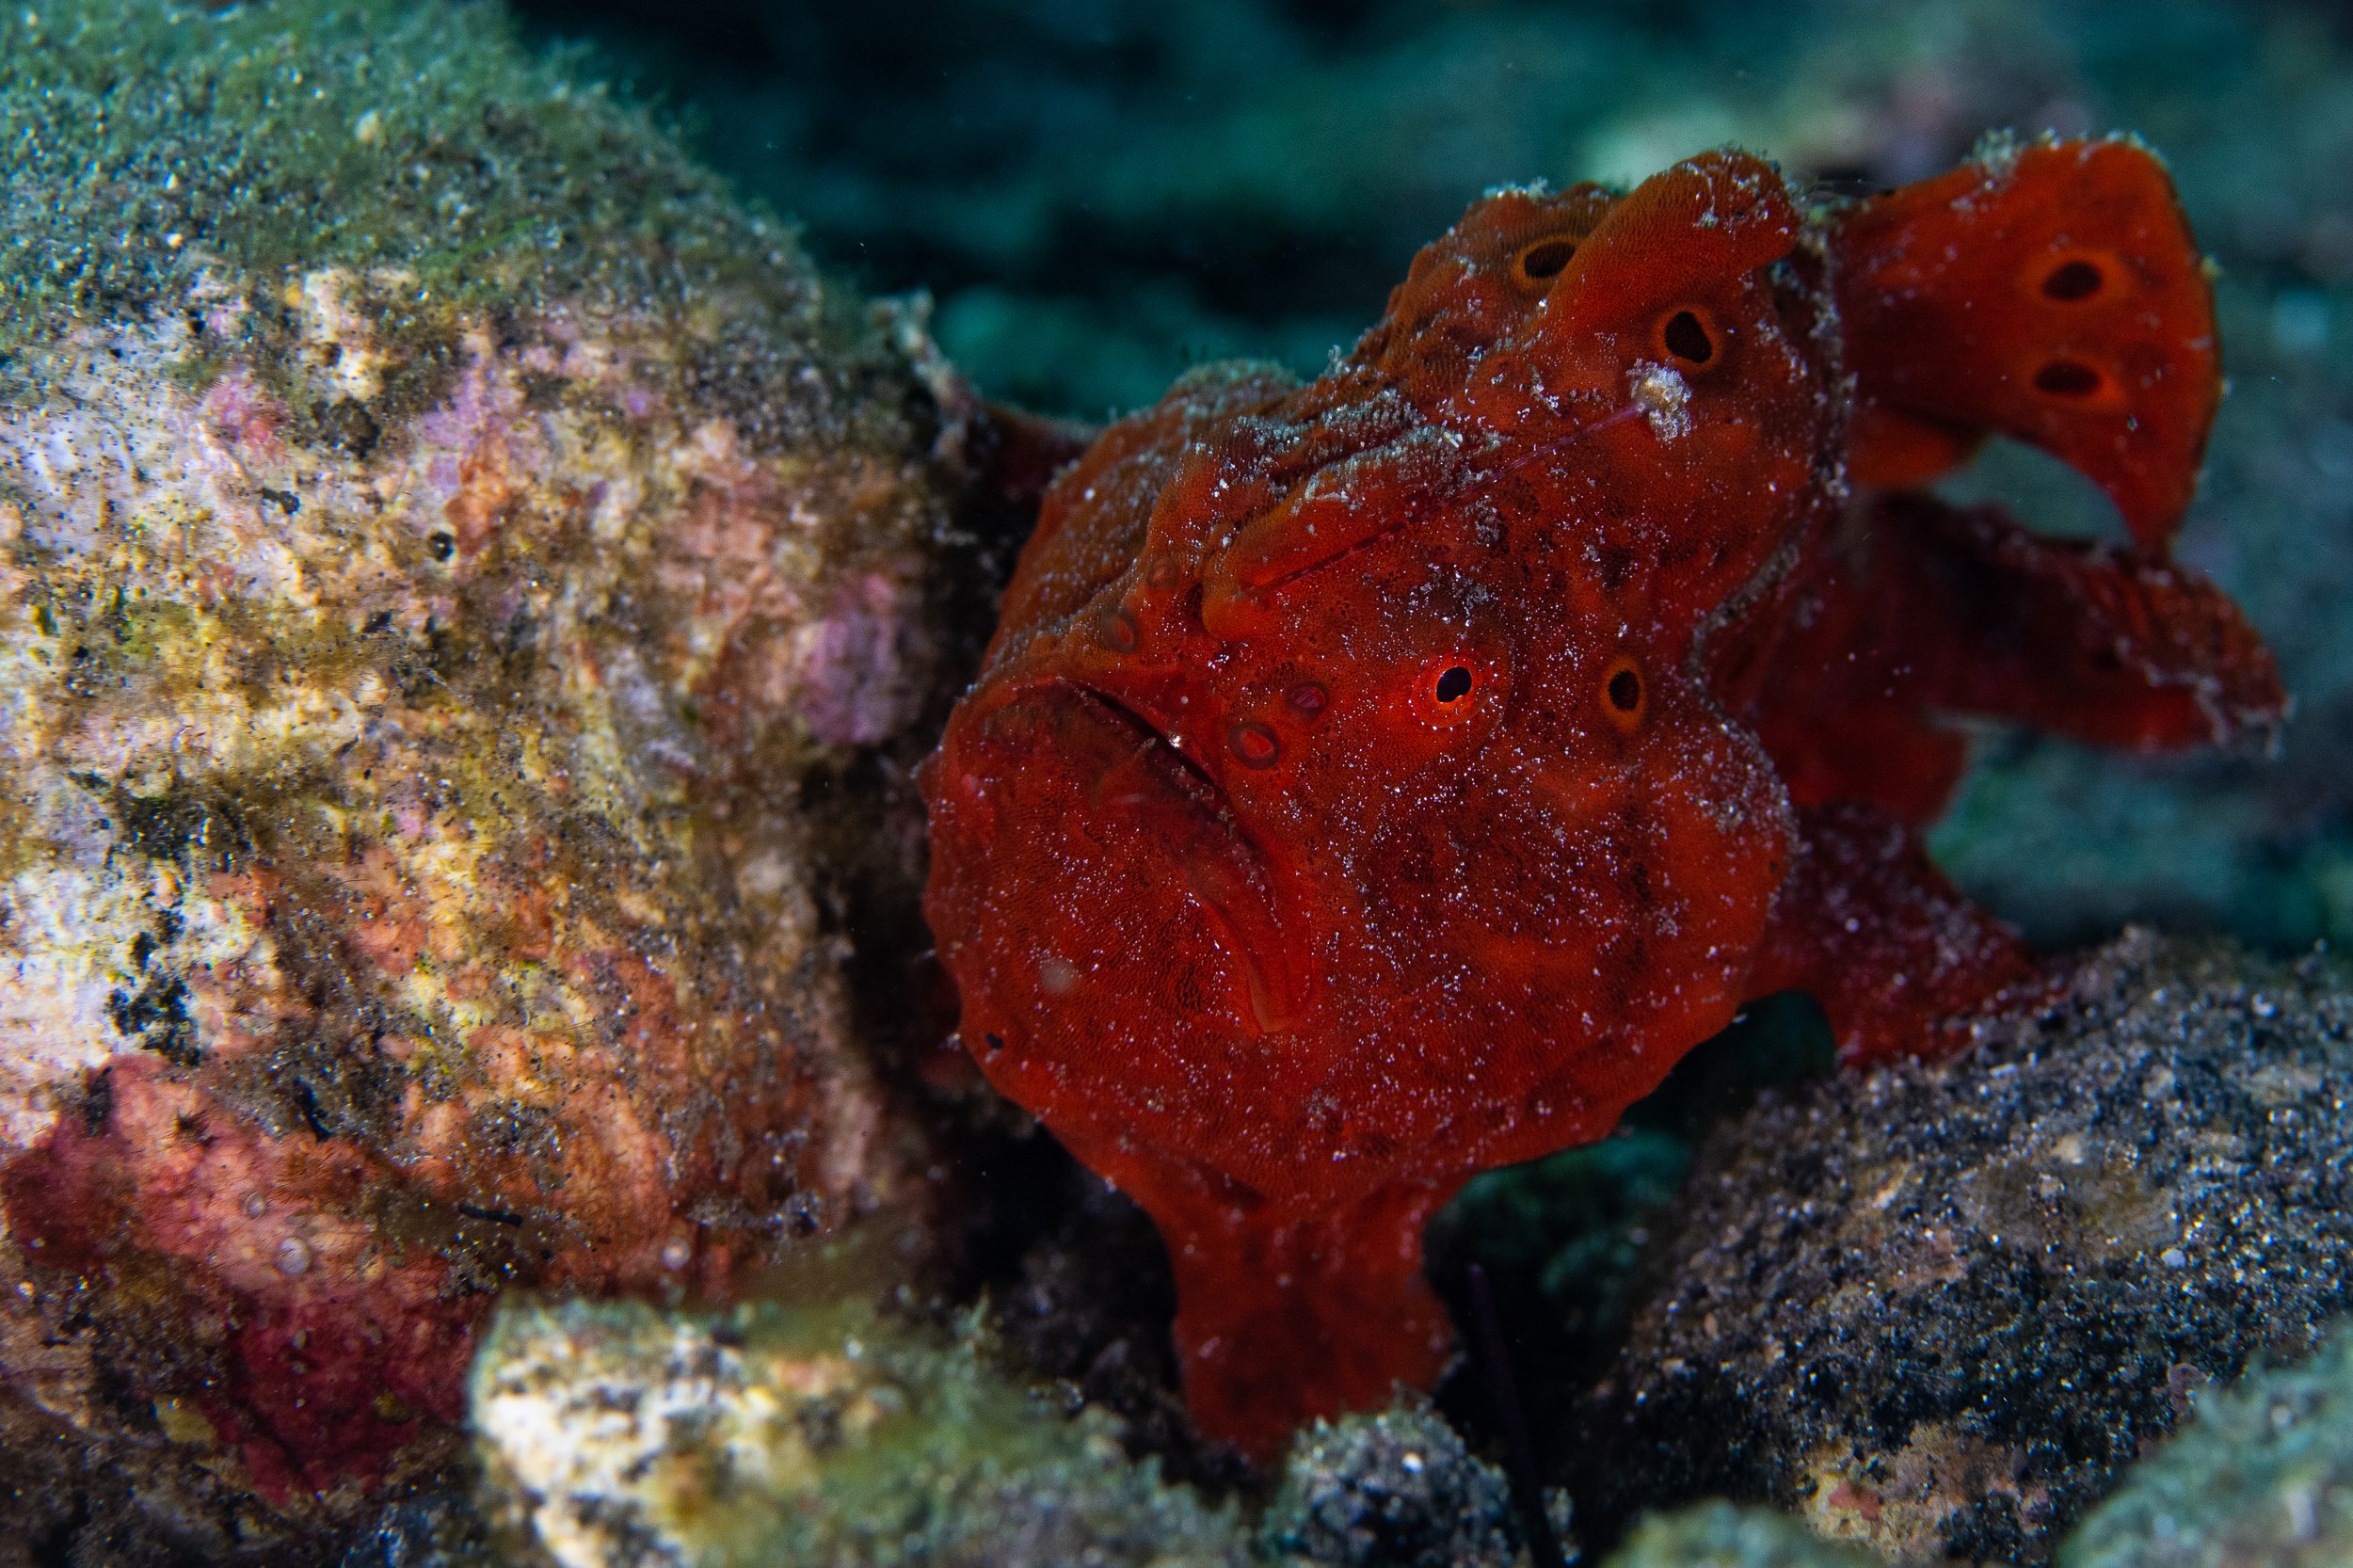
330, 1344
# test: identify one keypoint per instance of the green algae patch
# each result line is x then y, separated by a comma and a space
823, 1434
410, 138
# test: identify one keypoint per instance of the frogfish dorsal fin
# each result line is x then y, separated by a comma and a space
2053, 294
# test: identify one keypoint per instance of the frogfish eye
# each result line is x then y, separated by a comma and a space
1539, 263
2077, 276
1622, 693
1453, 685
2072, 281
1687, 337
1254, 745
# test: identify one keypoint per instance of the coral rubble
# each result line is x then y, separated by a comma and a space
444, 546
616, 1434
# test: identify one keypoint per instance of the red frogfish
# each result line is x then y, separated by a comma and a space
1380, 778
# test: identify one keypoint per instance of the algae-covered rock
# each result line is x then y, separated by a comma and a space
618, 1435
2262, 1474
1395, 1489
446, 548
1940, 1308
1718, 1535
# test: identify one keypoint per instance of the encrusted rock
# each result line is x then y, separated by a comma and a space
1396, 1489
1940, 1308
442, 545
616, 1436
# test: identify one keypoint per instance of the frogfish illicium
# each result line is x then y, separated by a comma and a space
1382, 778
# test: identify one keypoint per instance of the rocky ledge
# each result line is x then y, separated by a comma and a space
453, 561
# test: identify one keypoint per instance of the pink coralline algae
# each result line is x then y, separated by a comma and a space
852, 669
